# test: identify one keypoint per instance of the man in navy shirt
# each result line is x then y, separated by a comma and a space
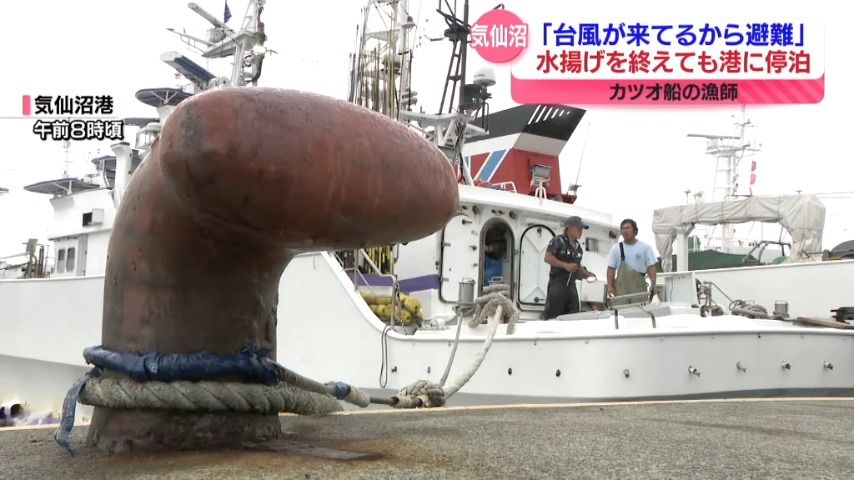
564, 255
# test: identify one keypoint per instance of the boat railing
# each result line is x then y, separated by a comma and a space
509, 186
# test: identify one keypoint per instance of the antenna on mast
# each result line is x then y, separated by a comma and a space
380, 77
66, 145
245, 45
473, 96
728, 151
573, 187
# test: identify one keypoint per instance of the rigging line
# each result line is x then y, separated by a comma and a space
246, 13
406, 11
416, 35
418, 20
834, 193
381, 13
583, 148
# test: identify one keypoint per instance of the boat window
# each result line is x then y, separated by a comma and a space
69, 262
60, 261
592, 245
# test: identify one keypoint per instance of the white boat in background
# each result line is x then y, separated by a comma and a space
805, 281
805, 284
510, 195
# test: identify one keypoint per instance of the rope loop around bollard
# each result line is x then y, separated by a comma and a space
188, 382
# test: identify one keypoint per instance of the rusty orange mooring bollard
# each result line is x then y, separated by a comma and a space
240, 181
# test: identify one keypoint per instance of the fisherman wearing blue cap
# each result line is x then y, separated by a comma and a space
564, 255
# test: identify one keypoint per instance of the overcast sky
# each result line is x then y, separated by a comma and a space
635, 160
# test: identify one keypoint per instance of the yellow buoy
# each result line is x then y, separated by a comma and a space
412, 305
404, 317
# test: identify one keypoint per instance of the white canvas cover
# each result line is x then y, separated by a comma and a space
801, 215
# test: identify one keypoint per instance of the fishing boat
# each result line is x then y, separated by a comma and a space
384, 316
771, 273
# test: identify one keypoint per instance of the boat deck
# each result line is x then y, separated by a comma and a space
792, 438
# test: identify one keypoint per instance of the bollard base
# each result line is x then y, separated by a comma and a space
118, 431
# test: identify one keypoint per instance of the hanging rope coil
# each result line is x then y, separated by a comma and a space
486, 305
742, 307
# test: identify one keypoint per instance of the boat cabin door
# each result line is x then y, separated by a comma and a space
460, 258
497, 257
533, 270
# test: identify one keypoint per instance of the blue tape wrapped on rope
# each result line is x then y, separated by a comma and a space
69, 409
341, 390
251, 363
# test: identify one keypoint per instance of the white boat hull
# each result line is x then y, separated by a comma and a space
319, 308
327, 332
46, 325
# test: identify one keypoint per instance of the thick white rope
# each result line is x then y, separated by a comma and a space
355, 396
206, 396
295, 393
485, 305
493, 297
492, 327
430, 394
459, 318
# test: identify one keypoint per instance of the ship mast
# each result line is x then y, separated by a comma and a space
380, 77
245, 46
728, 151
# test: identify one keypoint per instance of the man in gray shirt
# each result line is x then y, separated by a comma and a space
629, 261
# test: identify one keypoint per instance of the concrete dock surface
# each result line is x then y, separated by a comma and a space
790, 438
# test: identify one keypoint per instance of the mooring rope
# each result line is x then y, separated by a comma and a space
425, 393
493, 297
183, 382
454, 386
250, 363
459, 319
205, 396
495, 306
